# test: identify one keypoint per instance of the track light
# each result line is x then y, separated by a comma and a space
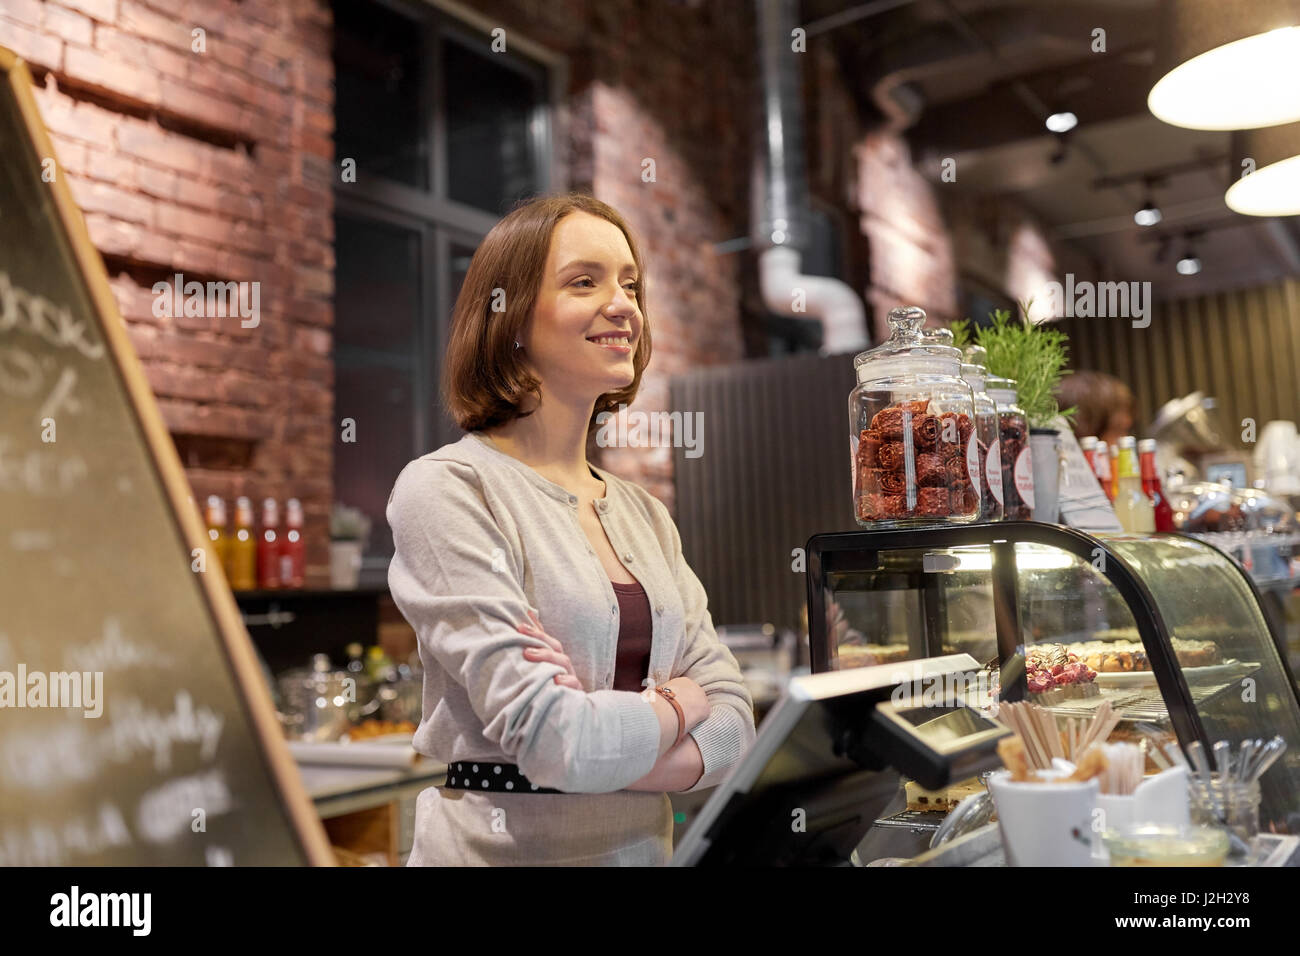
1190, 263
1148, 215
1062, 122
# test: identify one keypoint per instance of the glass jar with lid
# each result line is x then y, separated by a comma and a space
1017, 461
911, 418
983, 457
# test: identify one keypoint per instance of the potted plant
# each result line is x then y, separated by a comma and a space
349, 529
1035, 355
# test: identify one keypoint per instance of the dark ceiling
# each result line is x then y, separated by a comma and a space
975, 79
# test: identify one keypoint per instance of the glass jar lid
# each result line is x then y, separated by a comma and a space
977, 355
938, 336
974, 375
907, 351
1001, 390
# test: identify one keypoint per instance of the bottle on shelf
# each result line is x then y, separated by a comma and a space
1088, 445
268, 547
1113, 450
291, 546
214, 517
1151, 485
1101, 468
242, 561
1132, 506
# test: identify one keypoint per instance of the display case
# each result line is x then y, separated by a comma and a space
1170, 628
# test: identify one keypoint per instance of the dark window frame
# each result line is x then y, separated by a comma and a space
438, 221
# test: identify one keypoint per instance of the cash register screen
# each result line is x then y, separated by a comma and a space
939, 726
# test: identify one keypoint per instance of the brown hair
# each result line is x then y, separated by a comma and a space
484, 382
1096, 398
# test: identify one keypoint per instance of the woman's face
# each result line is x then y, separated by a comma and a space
589, 288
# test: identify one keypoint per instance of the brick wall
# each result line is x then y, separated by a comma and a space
213, 160
685, 106
928, 238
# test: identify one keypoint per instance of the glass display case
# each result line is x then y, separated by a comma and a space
1166, 627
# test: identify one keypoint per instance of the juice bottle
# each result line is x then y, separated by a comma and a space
1132, 506
214, 517
1151, 485
268, 547
1101, 468
291, 546
242, 562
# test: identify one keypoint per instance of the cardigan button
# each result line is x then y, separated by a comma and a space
628, 557
659, 608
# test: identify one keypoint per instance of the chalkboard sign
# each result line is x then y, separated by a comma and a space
135, 728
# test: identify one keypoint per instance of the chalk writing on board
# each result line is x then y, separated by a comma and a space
41, 471
165, 812
36, 842
46, 756
26, 311
113, 651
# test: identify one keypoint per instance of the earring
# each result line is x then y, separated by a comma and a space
517, 345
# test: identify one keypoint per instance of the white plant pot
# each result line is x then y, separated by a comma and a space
345, 564
1046, 450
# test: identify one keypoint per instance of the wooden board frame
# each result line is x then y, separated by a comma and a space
238, 647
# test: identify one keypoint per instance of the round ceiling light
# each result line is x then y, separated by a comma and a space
1267, 164
1227, 64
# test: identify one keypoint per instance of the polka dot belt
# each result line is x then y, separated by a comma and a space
487, 775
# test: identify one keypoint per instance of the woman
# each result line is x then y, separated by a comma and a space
551, 600
1104, 405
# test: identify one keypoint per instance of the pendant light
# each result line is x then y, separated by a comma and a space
1266, 164
1227, 64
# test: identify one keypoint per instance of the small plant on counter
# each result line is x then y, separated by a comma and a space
1034, 355
348, 524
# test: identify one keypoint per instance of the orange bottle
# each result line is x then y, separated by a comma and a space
241, 562
214, 517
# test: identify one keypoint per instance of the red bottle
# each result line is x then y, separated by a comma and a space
1101, 465
1088, 445
291, 546
268, 547
1151, 485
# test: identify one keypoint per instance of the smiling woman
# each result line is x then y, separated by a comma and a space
548, 593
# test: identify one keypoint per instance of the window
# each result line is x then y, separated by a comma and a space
445, 136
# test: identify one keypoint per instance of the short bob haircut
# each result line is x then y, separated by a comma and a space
484, 382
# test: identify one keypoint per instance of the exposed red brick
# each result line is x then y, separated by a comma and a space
68, 24
32, 45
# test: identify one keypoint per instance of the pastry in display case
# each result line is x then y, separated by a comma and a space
1163, 634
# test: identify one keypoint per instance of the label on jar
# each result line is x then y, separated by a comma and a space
1025, 477
973, 463
853, 459
993, 471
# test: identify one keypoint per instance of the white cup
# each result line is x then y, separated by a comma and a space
1161, 798
1045, 824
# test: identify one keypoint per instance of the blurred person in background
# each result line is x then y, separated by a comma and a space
1104, 405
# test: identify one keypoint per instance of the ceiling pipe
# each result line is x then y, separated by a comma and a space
781, 209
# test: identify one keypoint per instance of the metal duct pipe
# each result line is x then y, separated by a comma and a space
780, 212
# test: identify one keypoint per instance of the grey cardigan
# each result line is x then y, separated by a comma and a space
480, 537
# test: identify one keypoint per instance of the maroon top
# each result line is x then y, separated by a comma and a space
632, 660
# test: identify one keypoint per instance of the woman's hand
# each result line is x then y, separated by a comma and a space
553, 652
695, 703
